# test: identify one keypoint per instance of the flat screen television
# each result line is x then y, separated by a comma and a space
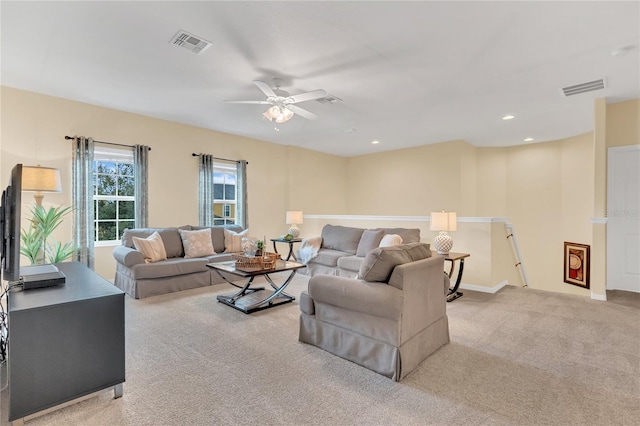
10, 216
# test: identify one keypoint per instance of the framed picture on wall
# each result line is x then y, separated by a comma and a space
577, 264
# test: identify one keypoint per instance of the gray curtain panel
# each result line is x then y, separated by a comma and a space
82, 184
205, 191
141, 170
242, 205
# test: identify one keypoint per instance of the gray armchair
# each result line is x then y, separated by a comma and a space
390, 319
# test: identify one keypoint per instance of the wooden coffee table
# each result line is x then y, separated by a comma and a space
251, 299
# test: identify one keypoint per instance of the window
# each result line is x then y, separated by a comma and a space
114, 193
224, 194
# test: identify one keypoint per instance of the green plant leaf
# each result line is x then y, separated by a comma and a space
57, 252
34, 238
31, 244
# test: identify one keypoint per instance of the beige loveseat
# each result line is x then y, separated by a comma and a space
340, 250
390, 320
141, 279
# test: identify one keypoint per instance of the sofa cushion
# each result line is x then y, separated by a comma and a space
196, 243
370, 239
217, 234
341, 238
328, 257
170, 238
169, 268
408, 235
390, 240
233, 240
350, 263
152, 247
418, 251
379, 263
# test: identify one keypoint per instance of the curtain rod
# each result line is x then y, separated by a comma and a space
193, 154
106, 143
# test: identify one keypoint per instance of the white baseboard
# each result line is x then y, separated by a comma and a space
483, 289
596, 296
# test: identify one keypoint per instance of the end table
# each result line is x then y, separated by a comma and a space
452, 258
290, 242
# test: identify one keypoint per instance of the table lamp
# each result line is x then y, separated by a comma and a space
40, 179
294, 218
443, 221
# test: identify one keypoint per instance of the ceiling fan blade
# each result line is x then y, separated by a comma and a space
249, 102
302, 112
266, 89
307, 96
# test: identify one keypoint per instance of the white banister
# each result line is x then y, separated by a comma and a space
508, 226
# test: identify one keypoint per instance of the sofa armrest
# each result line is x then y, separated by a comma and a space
378, 299
127, 256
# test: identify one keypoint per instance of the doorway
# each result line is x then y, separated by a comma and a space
623, 218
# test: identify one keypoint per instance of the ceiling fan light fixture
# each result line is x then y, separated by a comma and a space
284, 116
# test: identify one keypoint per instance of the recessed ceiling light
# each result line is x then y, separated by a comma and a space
528, 139
508, 117
349, 130
375, 142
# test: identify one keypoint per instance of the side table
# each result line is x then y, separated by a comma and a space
290, 242
452, 258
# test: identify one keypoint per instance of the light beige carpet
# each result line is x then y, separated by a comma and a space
519, 357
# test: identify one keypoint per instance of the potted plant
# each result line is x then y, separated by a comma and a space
36, 241
260, 248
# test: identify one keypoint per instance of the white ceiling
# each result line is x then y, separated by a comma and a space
408, 73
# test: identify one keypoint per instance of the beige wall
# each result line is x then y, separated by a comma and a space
623, 123
544, 189
413, 181
549, 201
279, 177
547, 190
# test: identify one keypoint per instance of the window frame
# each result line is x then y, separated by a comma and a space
227, 206
113, 155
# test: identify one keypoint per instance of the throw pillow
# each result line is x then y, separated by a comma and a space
390, 240
370, 239
152, 247
196, 243
233, 240
378, 265
341, 238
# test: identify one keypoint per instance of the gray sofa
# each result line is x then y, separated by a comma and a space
139, 279
343, 248
389, 321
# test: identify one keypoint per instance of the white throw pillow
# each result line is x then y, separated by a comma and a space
152, 247
390, 240
197, 243
233, 240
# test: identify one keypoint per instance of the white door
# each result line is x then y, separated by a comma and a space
623, 218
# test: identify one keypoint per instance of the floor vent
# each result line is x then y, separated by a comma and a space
190, 42
589, 86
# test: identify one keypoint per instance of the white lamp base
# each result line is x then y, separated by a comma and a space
294, 231
443, 243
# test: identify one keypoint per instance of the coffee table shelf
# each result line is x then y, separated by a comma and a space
252, 299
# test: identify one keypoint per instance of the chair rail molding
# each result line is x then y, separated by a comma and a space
469, 219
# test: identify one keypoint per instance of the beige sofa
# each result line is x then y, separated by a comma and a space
389, 321
139, 279
340, 250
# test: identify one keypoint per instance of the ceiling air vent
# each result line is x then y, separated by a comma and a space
329, 99
589, 86
190, 42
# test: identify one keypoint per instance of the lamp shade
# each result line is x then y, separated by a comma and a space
443, 221
294, 217
41, 179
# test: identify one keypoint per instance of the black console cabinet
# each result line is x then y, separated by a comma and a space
65, 342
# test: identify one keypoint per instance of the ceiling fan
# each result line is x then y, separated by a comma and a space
282, 104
